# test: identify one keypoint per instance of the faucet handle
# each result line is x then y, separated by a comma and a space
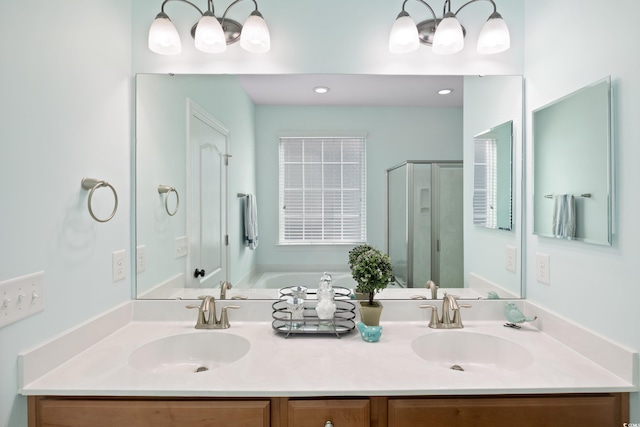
457, 320
434, 313
202, 319
224, 317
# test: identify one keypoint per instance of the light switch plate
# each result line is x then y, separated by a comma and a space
543, 273
511, 252
181, 247
21, 297
141, 258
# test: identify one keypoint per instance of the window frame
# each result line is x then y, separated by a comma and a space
323, 241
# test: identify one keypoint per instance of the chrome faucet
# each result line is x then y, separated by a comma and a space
207, 318
449, 303
433, 288
224, 287
431, 285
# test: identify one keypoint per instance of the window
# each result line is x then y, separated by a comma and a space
322, 190
485, 183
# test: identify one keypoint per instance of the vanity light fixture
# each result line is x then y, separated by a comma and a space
445, 35
211, 34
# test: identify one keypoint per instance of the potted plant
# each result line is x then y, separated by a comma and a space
372, 270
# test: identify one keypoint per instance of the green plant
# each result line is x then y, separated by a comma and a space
371, 269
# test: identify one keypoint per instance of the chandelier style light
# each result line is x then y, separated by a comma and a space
211, 34
445, 35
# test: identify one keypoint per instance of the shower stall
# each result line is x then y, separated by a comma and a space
424, 223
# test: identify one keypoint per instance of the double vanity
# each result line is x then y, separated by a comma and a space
144, 363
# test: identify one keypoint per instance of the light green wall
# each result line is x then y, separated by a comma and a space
394, 136
161, 133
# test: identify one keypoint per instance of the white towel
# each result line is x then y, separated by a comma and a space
564, 216
250, 222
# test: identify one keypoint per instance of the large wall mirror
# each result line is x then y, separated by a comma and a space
573, 167
232, 123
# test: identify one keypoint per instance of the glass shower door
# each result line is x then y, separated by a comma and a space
397, 222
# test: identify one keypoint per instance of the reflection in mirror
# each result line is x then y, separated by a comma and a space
572, 166
492, 177
165, 243
425, 225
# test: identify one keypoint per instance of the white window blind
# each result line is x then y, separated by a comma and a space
485, 183
322, 190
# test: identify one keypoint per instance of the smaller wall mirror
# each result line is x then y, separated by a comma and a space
572, 166
492, 196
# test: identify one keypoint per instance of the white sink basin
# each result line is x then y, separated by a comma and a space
194, 352
471, 351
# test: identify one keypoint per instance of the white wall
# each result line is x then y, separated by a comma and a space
65, 112
595, 286
488, 102
394, 135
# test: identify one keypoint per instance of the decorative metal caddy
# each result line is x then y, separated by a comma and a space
341, 323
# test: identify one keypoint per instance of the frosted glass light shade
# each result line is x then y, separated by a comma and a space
255, 34
209, 36
449, 37
163, 36
404, 35
494, 37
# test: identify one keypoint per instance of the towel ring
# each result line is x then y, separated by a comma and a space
165, 189
93, 184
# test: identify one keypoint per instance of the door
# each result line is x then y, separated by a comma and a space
207, 208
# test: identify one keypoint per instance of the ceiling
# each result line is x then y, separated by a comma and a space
353, 90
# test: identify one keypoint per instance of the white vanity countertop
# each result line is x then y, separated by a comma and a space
304, 365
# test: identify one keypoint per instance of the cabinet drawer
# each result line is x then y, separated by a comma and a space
507, 411
341, 413
144, 413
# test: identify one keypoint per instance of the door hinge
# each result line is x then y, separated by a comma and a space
226, 240
226, 159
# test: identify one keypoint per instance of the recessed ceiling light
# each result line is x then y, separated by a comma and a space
321, 89
445, 91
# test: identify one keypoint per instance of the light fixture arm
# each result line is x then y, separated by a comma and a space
495, 8
185, 1
433, 13
224, 15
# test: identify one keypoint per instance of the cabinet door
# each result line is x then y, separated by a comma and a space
145, 413
341, 413
583, 411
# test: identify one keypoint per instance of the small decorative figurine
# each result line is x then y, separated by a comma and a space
515, 316
369, 333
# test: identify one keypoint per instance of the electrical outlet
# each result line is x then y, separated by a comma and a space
181, 247
119, 265
141, 258
21, 297
510, 258
543, 274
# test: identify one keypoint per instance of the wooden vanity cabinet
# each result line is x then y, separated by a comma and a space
316, 412
583, 410
132, 412
593, 410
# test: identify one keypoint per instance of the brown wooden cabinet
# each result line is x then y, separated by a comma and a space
316, 412
132, 412
583, 410
508, 411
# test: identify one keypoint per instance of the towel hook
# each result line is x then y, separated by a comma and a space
93, 184
165, 189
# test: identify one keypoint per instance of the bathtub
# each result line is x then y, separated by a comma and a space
277, 280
